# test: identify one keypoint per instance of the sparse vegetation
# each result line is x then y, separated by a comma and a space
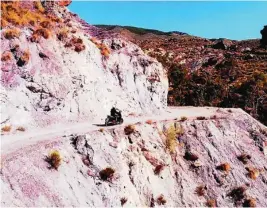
201, 118
6, 56
6, 128
183, 118
11, 33
38, 5
238, 193
24, 59
107, 174
200, 190
250, 202
129, 129
253, 173
123, 200
158, 169
161, 200
244, 158
171, 141
224, 167
211, 203
20, 128
54, 159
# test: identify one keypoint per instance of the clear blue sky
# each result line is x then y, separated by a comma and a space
233, 20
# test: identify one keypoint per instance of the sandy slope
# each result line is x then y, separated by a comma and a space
15, 140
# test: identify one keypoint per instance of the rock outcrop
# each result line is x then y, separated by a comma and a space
68, 75
264, 36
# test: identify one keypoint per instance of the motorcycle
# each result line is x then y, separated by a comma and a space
110, 120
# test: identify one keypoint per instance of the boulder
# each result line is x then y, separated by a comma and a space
222, 44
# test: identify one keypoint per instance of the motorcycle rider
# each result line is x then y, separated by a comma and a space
115, 112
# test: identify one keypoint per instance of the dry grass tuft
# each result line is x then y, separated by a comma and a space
238, 193
6, 56
38, 5
129, 129
63, 34
123, 200
253, 173
11, 33
211, 203
201, 118
6, 128
20, 128
54, 159
107, 173
200, 190
244, 158
171, 141
224, 167
183, 118
24, 59
250, 202
161, 200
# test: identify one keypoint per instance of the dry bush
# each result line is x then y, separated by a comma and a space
129, 129
238, 193
211, 203
161, 200
200, 190
149, 122
79, 47
101, 130
201, 118
244, 158
107, 173
253, 173
105, 52
38, 5
20, 128
6, 128
62, 34
123, 200
171, 140
6, 56
224, 167
54, 159
158, 169
190, 156
250, 202
183, 118
46, 24
213, 117
43, 32
4, 23
24, 59
11, 33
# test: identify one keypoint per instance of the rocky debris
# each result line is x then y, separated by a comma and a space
94, 174
264, 36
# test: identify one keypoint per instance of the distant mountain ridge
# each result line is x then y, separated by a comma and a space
140, 31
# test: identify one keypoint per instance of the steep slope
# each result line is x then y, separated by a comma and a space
54, 71
152, 167
208, 72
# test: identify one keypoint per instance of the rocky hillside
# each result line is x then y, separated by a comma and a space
208, 72
54, 71
212, 160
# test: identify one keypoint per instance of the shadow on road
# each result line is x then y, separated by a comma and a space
99, 124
